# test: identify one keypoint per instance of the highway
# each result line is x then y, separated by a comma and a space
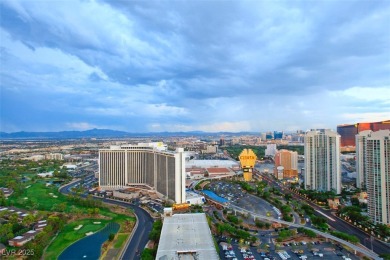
142, 228
336, 223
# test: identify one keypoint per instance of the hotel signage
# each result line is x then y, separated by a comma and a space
247, 158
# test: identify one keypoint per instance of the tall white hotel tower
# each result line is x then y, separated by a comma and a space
322, 161
145, 164
373, 172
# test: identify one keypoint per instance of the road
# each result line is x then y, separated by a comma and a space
326, 235
378, 246
143, 227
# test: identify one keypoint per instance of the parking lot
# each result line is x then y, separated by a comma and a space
324, 250
155, 206
237, 197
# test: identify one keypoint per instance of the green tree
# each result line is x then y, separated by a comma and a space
60, 207
233, 219
156, 231
13, 218
284, 234
56, 222
111, 236
6, 232
28, 220
3, 201
345, 236
148, 254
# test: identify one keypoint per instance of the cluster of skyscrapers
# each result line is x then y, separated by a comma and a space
153, 167
372, 142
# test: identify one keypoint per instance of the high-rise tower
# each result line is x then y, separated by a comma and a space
322, 161
289, 161
373, 172
147, 164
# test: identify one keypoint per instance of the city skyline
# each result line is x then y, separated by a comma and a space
183, 66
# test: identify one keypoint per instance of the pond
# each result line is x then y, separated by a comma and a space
89, 247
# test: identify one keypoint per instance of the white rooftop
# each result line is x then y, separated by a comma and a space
191, 195
211, 163
186, 236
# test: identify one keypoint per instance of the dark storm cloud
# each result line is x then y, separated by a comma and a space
194, 64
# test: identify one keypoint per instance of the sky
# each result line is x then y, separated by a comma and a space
152, 66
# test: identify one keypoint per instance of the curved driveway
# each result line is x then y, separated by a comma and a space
140, 235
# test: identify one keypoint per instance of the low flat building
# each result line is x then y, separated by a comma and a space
23, 239
21, 213
45, 174
40, 225
212, 163
194, 198
195, 173
6, 191
186, 236
215, 171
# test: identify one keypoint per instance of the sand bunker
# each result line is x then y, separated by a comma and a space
77, 228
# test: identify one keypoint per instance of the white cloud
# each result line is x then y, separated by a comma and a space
202, 65
213, 127
80, 125
367, 117
234, 126
162, 109
365, 93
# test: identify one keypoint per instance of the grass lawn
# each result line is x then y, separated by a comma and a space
68, 235
120, 240
38, 194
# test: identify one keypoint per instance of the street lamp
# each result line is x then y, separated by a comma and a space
370, 240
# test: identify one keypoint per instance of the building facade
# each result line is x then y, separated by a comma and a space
148, 164
322, 161
54, 156
278, 135
373, 168
347, 134
289, 161
349, 131
271, 150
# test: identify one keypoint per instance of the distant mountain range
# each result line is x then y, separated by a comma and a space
105, 133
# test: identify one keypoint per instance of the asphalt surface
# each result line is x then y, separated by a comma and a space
328, 250
357, 248
243, 199
338, 224
141, 234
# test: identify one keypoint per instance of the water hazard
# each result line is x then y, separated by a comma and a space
89, 247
